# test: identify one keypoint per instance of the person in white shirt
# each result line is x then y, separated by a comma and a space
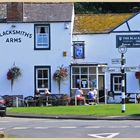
79, 95
47, 92
91, 96
95, 95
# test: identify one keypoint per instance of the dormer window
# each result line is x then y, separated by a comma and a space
42, 37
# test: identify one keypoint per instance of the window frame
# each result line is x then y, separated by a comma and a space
35, 38
112, 83
82, 55
80, 75
36, 78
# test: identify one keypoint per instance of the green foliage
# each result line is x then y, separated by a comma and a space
106, 7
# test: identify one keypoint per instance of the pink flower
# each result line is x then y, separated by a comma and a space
60, 73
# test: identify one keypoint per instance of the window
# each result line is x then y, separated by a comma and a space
42, 37
42, 77
116, 83
78, 50
83, 76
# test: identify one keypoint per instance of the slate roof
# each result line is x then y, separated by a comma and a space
98, 23
50, 12
3, 11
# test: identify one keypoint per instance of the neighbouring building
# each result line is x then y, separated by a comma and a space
99, 37
40, 37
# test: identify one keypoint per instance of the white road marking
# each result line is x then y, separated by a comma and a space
137, 126
41, 127
93, 126
4, 121
104, 135
118, 126
19, 128
68, 127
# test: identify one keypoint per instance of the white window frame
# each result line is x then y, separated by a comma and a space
43, 78
39, 43
116, 84
80, 74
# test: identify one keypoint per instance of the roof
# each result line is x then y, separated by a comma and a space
2, 11
50, 12
98, 23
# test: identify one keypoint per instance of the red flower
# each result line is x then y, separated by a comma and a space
60, 74
9, 75
13, 73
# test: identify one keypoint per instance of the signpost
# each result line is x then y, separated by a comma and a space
117, 61
118, 69
132, 69
111, 69
122, 39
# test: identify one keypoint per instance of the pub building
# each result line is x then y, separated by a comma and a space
39, 38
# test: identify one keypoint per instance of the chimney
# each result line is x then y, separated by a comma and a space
15, 11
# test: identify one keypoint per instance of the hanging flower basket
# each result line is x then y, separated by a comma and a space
60, 74
137, 75
13, 73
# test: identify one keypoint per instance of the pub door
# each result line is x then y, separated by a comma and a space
101, 89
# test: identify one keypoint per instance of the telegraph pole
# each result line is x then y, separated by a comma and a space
122, 49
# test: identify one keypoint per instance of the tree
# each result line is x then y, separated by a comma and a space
106, 7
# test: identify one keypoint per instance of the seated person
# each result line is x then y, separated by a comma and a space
37, 94
79, 95
127, 98
138, 98
47, 92
91, 96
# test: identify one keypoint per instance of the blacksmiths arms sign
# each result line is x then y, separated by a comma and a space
130, 41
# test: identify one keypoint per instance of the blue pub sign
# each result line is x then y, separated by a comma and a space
130, 41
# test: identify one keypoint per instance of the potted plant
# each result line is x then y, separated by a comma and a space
12, 74
60, 74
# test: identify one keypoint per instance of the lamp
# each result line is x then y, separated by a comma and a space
13, 26
64, 53
66, 25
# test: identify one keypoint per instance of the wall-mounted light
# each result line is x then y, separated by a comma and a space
13, 26
64, 53
66, 25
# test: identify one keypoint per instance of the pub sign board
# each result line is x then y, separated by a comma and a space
130, 41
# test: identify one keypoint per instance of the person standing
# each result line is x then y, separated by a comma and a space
95, 95
37, 96
47, 93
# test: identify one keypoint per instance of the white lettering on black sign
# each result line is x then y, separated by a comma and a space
130, 41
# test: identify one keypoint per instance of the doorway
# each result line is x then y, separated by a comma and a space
101, 88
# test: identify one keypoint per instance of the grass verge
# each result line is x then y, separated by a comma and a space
93, 110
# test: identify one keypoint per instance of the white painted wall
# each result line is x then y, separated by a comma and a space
123, 27
101, 48
133, 23
25, 57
